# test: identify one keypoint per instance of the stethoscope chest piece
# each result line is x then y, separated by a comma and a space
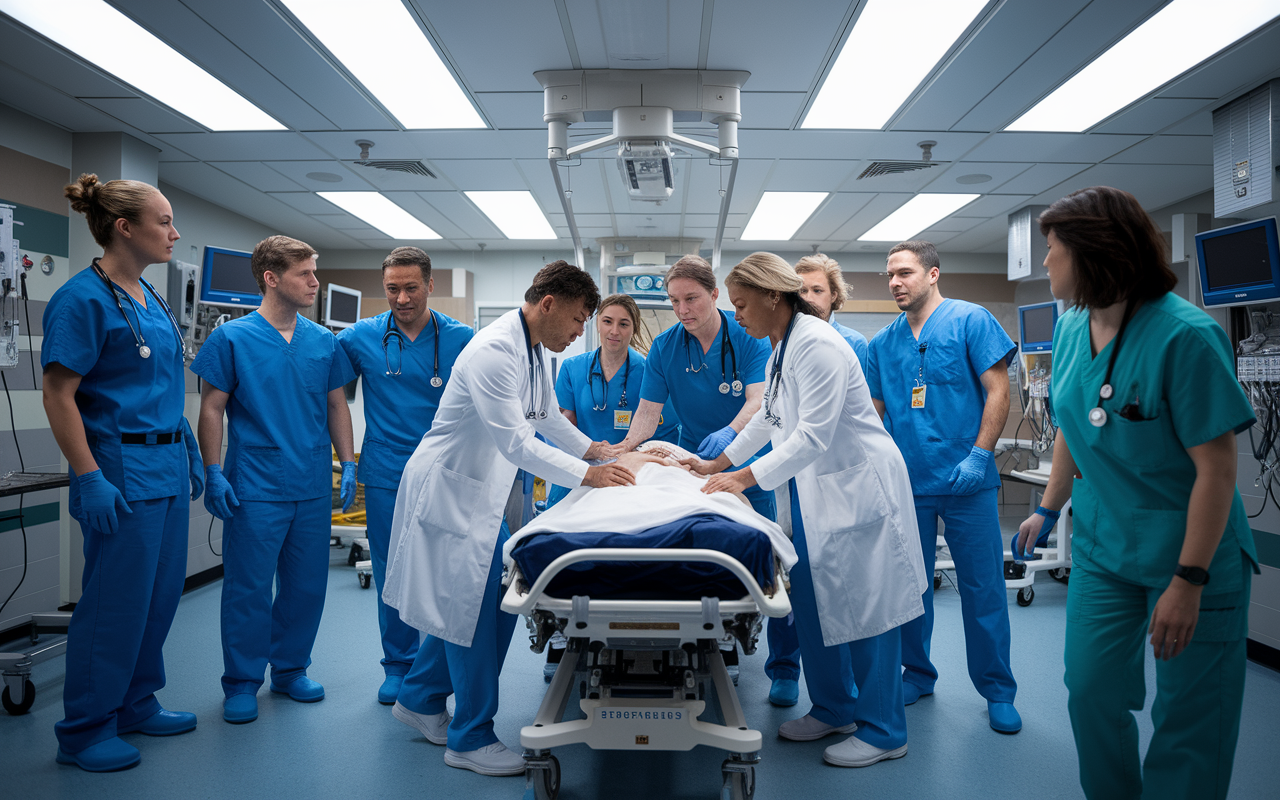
1106, 391
437, 382
144, 351
724, 388
1097, 417
737, 388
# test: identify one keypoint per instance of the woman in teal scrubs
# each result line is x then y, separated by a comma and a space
114, 391
1147, 407
600, 390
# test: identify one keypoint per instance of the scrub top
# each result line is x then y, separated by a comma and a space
580, 388
937, 427
399, 409
695, 396
856, 340
120, 391
278, 446
1175, 367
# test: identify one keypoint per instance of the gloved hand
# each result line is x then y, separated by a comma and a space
347, 488
193, 455
1027, 551
715, 443
101, 501
968, 475
220, 497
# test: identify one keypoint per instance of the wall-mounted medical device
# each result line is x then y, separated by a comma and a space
227, 280
184, 291
12, 288
1036, 324
341, 306
1239, 264
1246, 151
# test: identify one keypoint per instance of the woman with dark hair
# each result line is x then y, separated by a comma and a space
1147, 407
847, 507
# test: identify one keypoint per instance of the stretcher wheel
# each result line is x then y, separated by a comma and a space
28, 699
1025, 595
1061, 574
739, 785
355, 554
544, 783
364, 580
937, 581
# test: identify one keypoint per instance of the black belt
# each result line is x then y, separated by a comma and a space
151, 438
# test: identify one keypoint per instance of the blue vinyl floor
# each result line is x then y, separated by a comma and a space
349, 746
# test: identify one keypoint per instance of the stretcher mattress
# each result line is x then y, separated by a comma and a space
652, 580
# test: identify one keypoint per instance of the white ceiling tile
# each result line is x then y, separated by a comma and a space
306, 202
427, 213
244, 146
143, 114
831, 216
993, 205
54, 65
878, 207
782, 48
1039, 178
495, 174
342, 222
953, 225
772, 109
588, 33
297, 171
455, 207
1073, 147
992, 230
999, 172
512, 109
1199, 124
863, 145
258, 175
808, 175
1153, 115
1168, 150
684, 33
1238, 68
1153, 185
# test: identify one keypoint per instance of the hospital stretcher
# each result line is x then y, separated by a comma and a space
647, 673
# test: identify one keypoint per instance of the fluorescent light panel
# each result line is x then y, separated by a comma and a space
918, 214
516, 214
893, 46
1178, 37
101, 35
779, 215
381, 213
381, 44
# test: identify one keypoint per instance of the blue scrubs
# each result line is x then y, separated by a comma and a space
856, 340
398, 411
852, 682
581, 388
279, 462
133, 578
669, 377
469, 673
958, 342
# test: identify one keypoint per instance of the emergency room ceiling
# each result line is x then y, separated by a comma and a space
1017, 52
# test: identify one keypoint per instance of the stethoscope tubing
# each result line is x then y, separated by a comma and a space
139, 341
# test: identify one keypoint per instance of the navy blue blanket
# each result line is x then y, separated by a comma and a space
659, 580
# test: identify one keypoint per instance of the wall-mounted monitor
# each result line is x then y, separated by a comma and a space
1239, 264
1036, 323
227, 280
341, 306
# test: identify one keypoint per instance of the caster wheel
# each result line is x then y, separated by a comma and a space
937, 581
543, 784
28, 699
739, 785
356, 554
1061, 575
365, 580
1026, 595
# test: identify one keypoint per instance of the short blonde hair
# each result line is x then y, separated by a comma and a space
766, 272
821, 262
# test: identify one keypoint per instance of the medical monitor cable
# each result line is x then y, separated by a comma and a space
22, 525
208, 537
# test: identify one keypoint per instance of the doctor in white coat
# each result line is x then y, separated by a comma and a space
845, 497
443, 575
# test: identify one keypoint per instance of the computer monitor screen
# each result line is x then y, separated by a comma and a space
1239, 264
227, 279
1035, 325
342, 306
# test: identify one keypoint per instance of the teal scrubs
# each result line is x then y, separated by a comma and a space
132, 578
398, 411
1176, 372
604, 409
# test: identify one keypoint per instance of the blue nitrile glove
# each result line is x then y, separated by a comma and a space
220, 498
193, 455
715, 443
347, 489
101, 501
1042, 538
969, 474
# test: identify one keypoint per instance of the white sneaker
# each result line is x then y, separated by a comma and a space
433, 726
808, 729
495, 760
853, 752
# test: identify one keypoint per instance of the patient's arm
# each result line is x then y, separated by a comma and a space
635, 460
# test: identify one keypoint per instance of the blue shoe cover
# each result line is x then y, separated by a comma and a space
163, 723
1004, 717
240, 708
109, 756
784, 692
302, 689
390, 689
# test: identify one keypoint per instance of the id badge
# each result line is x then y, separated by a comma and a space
621, 420
917, 396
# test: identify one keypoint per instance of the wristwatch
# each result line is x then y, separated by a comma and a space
1192, 575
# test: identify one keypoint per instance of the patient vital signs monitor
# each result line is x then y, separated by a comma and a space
1035, 326
226, 279
1239, 264
341, 306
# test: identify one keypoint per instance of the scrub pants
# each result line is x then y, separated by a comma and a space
399, 640
264, 540
131, 586
780, 632
469, 673
1198, 693
973, 535
853, 682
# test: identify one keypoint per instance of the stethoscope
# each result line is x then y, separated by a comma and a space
394, 333
535, 379
1097, 414
140, 342
604, 401
775, 378
726, 346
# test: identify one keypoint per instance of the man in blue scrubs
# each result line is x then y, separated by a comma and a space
825, 290
278, 377
938, 375
404, 358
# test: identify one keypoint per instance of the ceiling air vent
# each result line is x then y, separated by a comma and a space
878, 168
394, 165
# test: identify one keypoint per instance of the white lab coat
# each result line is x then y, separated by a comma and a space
855, 494
455, 485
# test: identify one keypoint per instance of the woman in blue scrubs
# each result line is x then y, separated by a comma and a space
1148, 408
589, 391
114, 391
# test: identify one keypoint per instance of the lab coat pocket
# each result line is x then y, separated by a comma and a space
451, 502
258, 471
1159, 534
852, 498
152, 471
